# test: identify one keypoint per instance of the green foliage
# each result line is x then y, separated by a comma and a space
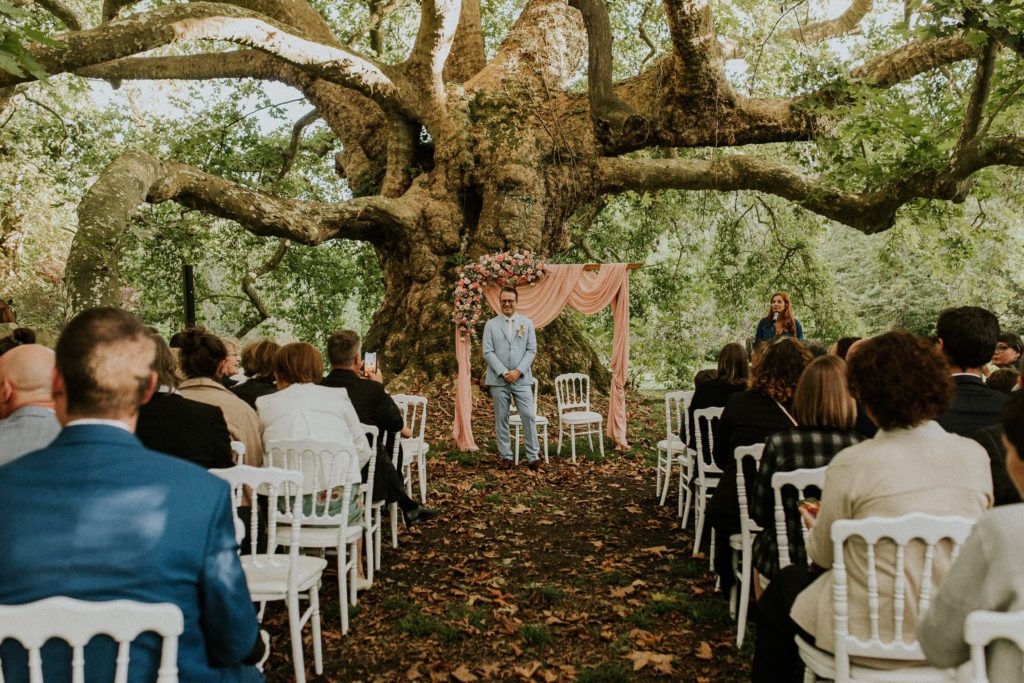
14, 32
605, 672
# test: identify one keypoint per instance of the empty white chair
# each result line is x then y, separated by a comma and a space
516, 421
572, 391
982, 628
743, 542
899, 533
281, 577
672, 449
76, 622
415, 448
708, 473
801, 480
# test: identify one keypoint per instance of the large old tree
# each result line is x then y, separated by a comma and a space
450, 155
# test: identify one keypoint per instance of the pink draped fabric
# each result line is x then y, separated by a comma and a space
588, 291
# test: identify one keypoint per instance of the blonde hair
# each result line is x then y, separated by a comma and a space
822, 397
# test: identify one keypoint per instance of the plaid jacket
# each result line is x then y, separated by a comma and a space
797, 448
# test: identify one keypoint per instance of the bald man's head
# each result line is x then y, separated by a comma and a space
26, 375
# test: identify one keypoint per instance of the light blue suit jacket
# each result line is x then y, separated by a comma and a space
96, 516
26, 429
504, 353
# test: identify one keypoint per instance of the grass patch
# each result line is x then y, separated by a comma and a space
476, 618
536, 635
479, 485
463, 458
543, 593
605, 672
420, 625
689, 568
495, 498
614, 578
398, 602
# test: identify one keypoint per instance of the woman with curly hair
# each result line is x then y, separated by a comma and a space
750, 417
912, 465
780, 321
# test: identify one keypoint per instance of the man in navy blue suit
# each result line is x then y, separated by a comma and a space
96, 516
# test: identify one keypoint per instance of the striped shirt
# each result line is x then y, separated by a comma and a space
797, 448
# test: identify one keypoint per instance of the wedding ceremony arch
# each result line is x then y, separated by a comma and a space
588, 288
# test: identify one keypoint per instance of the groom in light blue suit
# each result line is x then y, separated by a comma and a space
510, 345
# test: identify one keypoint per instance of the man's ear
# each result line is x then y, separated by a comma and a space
150, 389
57, 386
6, 390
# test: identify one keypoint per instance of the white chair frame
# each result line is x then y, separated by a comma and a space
983, 627
801, 480
572, 392
743, 542
373, 510
77, 621
415, 448
238, 452
673, 449
708, 473
514, 420
269, 577
930, 529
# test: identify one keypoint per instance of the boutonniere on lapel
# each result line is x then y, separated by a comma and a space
521, 332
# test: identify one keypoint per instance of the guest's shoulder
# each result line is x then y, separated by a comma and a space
1005, 523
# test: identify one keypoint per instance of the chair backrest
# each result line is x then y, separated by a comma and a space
801, 480
276, 484
676, 405
238, 451
705, 463
748, 527
76, 622
414, 413
514, 408
327, 471
901, 531
984, 627
572, 391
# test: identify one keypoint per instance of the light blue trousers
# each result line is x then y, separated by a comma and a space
523, 394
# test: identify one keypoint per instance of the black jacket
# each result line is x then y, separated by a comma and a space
190, 430
711, 394
1003, 490
975, 406
252, 389
372, 402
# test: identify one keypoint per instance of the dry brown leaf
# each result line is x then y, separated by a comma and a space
634, 509
656, 550
642, 658
622, 592
518, 508
464, 675
527, 670
414, 672
704, 651
549, 676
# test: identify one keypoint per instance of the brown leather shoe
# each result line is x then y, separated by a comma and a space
535, 465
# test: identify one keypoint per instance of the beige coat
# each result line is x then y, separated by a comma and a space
923, 469
243, 424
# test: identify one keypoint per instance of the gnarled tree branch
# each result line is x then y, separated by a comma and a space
58, 8
304, 121
913, 59
135, 178
976, 104
869, 212
249, 287
467, 55
847, 22
423, 70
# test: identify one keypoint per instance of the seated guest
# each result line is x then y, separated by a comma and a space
1009, 348
230, 373
303, 410
967, 336
825, 413
912, 465
96, 516
731, 378
175, 425
21, 335
842, 346
986, 574
202, 357
1004, 380
991, 438
27, 420
374, 407
258, 361
750, 417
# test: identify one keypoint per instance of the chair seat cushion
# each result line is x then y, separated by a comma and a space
581, 417
415, 446
514, 419
268, 574
823, 664
324, 536
678, 447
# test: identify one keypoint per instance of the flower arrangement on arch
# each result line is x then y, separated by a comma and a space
506, 269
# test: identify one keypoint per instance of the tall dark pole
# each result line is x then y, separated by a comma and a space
190, 295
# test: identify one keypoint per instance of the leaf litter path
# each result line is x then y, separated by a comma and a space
571, 574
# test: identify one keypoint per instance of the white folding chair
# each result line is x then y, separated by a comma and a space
77, 621
708, 473
983, 628
415, 448
901, 532
801, 480
373, 510
516, 421
281, 577
743, 542
238, 452
572, 391
673, 449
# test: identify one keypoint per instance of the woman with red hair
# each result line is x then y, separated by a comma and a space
780, 321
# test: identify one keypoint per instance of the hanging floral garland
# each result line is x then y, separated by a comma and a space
507, 269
